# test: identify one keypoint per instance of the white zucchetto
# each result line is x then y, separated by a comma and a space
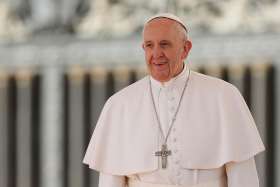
168, 16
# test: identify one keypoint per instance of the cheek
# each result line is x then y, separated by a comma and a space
148, 56
175, 62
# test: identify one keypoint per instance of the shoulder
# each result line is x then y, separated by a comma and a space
211, 85
131, 92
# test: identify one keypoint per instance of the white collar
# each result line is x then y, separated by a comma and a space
176, 82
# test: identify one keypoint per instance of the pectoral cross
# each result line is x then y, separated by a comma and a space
164, 153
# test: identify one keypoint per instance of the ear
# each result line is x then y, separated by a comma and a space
143, 46
187, 48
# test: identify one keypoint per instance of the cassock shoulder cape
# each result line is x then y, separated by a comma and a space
215, 126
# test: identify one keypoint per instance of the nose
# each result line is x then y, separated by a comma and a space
157, 52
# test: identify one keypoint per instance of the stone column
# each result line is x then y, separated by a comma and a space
52, 135
24, 129
3, 129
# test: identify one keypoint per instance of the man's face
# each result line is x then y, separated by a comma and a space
165, 48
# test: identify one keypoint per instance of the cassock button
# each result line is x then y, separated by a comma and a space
172, 109
175, 139
176, 151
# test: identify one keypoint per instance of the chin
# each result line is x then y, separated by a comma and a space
161, 78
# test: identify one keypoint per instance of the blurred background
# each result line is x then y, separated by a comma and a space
61, 59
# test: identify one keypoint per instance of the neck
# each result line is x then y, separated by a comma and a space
175, 75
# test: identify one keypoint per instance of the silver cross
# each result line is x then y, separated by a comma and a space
164, 153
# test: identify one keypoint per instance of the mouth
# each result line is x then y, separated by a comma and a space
160, 66
159, 63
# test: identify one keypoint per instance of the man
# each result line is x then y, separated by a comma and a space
174, 127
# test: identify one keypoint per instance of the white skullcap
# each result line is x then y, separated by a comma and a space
168, 16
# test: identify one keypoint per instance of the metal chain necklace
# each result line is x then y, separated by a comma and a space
164, 152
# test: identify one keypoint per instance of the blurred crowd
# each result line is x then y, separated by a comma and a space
120, 18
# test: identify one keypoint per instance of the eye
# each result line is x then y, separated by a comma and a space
164, 44
148, 45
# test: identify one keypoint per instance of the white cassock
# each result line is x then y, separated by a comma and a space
213, 141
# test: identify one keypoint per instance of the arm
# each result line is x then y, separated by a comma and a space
242, 174
107, 180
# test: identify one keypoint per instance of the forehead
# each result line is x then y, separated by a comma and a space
161, 28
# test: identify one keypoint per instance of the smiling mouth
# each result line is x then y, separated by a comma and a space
159, 63
160, 66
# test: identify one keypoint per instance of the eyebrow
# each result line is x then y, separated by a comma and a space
149, 41
165, 41
161, 41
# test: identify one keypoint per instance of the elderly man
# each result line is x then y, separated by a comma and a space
175, 127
